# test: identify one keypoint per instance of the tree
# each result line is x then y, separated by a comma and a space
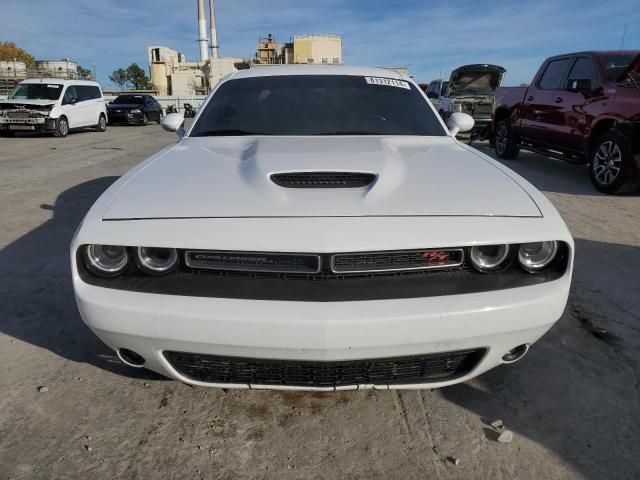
137, 78
119, 77
84, 72
9, 51
133, 77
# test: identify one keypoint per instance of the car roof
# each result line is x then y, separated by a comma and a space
597, 53
61, 81
305, 69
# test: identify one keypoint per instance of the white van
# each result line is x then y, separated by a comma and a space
53, 105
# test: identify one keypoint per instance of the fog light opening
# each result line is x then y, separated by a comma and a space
131, 358
515, 354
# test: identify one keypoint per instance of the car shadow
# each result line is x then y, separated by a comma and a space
37, 304
548, 174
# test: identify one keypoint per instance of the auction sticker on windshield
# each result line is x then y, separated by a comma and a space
389, 82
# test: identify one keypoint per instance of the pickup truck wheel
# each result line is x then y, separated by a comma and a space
612, 168
505, 145
62, 127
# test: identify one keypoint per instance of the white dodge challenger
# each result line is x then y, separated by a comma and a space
320, 227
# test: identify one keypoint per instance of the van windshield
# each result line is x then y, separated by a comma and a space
317, 105
36, 91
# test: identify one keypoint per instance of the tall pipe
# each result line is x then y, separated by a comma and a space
202, 32
213, 37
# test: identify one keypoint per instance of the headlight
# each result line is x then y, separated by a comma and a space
157, 261
106, 260
536, 256
135, 110
488, 257
455, 107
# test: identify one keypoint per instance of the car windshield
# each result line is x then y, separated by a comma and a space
317, 105
617, 64
36, 91
124, 99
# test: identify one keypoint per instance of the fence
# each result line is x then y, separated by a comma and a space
167, 100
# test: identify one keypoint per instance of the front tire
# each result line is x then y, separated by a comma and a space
145, 120
102, 123
62, 127
612, 168
505, 144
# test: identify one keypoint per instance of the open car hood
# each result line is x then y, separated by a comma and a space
480, 78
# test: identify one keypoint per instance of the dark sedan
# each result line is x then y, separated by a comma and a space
138, 109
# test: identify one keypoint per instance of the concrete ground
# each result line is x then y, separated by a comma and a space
573, 403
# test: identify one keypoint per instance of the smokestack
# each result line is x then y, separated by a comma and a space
202, 32
213, 38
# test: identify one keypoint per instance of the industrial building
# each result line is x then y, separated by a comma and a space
172, 74
309, 49
14, 72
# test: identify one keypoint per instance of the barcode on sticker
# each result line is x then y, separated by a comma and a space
388, 82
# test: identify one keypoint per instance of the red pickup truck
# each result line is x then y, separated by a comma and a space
581, 107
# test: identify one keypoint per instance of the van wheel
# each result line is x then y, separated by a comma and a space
145, 120
62, 127
505, 145
612, 168
102, 123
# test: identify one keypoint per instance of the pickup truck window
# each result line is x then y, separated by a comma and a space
616, 64
584, 69
554, 74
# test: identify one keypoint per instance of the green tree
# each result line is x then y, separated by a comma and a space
137, 78
84, 72
119, 77
9, 51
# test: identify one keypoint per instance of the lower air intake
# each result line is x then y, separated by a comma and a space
433, 367
323, 179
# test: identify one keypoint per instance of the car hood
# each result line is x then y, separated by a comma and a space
470, 80
26, 103
204, 177
124, 106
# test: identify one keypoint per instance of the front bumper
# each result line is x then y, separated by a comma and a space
27, 124
151, 324
125, 117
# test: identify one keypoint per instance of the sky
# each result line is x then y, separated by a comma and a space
429, 37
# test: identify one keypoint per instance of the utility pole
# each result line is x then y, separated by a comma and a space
624, 34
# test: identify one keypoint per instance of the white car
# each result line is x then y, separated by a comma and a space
319, 227
53, 105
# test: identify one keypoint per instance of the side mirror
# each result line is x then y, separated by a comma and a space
173, 122
579, 85
459, 123
432, 95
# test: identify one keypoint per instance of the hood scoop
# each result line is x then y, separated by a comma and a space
323, 179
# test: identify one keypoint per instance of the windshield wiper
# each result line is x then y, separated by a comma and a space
225, 133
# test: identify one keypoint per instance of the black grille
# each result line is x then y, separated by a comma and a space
382, 371
396, 260
252, 261
323, 179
